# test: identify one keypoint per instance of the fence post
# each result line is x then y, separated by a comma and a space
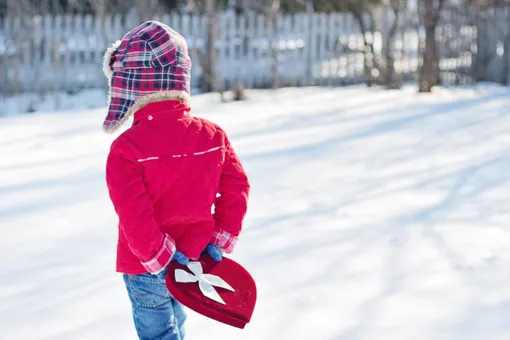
506, 60
4, 56
507, 47
310, 16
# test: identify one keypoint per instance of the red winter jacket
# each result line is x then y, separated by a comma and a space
164, 174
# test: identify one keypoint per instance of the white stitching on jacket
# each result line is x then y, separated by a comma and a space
147, 159
198, 153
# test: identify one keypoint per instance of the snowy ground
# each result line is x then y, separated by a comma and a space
29, 103
375, 215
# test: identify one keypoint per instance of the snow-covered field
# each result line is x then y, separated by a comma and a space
374, 215
12, 105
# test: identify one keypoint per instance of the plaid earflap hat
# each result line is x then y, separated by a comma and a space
150, 63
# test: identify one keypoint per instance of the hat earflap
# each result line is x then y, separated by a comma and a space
140, 102
107, 70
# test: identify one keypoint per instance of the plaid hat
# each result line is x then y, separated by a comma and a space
150, 63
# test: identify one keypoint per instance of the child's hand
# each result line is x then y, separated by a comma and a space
215, 252
180, 258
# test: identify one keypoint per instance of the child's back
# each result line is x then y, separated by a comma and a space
185, 161
165, 173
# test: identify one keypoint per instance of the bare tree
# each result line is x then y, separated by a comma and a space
100, 8
378, 67
210, 62
390, 77
21, 36
362, 9
146, 9
208, 58
430, 13
270, 9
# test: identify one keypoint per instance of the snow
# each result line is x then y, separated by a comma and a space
374, 215
54, 101
30, 102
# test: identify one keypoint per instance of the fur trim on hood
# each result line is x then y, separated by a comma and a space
181, 96
107, 70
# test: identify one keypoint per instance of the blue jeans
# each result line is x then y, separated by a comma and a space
156, 314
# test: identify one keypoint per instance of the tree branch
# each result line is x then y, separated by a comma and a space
437, 13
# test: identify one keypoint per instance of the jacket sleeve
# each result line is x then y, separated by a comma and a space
231, 206
126, 187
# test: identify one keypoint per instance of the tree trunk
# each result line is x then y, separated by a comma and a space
273, 15
239, 91
368, 48
146, 9
506, 61
429, 71
430, 68
100, 10
23, 34
371, 65
210, 60
390, 80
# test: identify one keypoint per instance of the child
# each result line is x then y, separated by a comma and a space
164, 174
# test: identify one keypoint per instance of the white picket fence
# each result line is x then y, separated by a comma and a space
65, 52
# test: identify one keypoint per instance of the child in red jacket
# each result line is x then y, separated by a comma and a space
165, 173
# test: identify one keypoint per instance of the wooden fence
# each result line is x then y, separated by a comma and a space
48, 53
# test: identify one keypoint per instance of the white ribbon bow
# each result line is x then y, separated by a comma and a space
206, 282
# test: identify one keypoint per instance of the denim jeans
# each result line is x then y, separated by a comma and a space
156, 314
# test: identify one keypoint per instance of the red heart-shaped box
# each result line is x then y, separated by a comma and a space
239, 305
